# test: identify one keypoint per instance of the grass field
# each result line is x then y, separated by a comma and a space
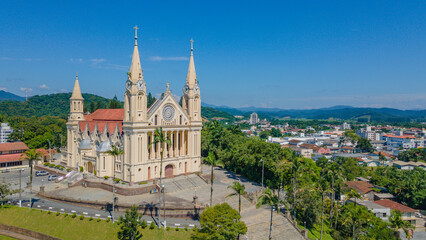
66, 227
315, 232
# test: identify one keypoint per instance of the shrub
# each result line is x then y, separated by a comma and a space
58, 213
95, 172
177, 229
141, 183
116, 180
46, 164
66, 213
82, 216
144, 224
74, 215
91, 219
152, 225
99, 219
106, 177
108, 220
186, 228
123, 183
167, 228
49, 212
81, 169
68, 170
51, 165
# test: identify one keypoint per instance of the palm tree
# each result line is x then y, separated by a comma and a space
324, 188
397, 223
211, 159
32, 155
353, 194
334, 172
270, 199
114, 152
162, 138
295, 166
239, 189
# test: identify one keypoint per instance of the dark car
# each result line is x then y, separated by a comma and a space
52, 178
41, 173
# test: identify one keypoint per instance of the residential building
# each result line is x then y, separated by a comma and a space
346, 126
133, 128
409, 165
378, 210
408, 214
5, 131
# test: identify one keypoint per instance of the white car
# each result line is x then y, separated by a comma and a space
419, 215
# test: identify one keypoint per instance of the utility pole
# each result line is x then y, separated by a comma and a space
113, 192
20, 187
50, 150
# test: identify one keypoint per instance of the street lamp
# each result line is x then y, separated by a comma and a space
164, 205
50, 150
20, 187
263, 166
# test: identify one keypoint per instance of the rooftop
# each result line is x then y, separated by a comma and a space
394, 205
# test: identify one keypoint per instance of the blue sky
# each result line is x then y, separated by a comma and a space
298, 54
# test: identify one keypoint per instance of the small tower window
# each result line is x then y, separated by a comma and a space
180, 120
155, 120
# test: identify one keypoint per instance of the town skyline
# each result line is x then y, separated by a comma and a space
290, 56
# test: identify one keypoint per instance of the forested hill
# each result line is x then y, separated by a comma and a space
58, 105
48, 105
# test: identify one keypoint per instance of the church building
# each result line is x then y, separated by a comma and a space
131, 129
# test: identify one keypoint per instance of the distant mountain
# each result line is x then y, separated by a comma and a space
10, 96
337, 112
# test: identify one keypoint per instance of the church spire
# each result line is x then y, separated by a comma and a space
191, 78
76, 92
135, 67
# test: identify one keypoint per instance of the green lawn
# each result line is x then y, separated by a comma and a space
66, 227
315, 232
6, 238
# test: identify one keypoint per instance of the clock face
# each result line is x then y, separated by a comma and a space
140, 84
128, 84
196, 89
168, 113
186, 89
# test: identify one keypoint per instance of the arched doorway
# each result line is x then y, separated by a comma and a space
169, 171
149, 173
186, 167
90, 167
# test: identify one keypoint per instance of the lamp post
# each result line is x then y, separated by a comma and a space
113, 192
50, 150
20, 187
263, 166
164, 205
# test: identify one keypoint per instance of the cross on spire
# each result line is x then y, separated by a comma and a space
136, 31
192, 44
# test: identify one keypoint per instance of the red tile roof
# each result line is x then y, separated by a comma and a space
394, 205
360, 186
10, 157
394, 136
46, 152
4, 147
106, 115
101, 126
384, 154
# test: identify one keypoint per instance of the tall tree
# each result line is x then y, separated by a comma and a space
211, 159
32, 155
161, 138
219, 222
129, 224
270, 199
239, 189
115, 152
352, 193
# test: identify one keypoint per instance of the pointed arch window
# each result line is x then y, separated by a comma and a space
155, 120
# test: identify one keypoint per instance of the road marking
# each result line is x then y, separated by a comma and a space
50, 207
72, 211
38, 205
191, 225
28, 205
97, 215
177, 224
85, 213
62, 209
149, 222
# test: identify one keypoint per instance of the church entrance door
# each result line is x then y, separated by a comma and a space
169, 171
90, 167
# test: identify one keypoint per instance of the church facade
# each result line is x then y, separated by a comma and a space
90, 136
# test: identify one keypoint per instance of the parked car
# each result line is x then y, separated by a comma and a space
42, 173
52, 178
419, 215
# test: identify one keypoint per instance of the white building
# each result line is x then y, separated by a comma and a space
254, 118
346, 126
5, 131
